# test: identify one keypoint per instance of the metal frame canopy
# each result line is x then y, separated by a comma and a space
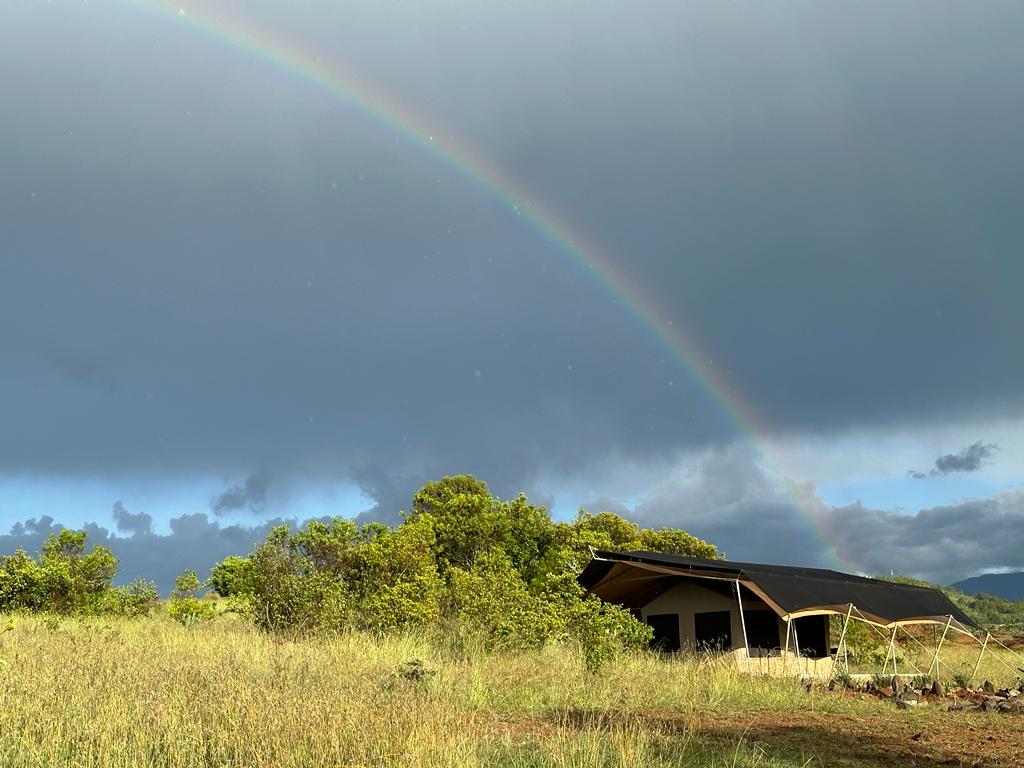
634, 579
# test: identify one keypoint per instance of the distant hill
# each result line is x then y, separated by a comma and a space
1009, 586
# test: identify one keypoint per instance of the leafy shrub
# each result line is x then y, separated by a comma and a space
185, 605
843, 677
414, 671
394, 578
603, 630
65, 578
21, 583
498, 571
231, 577
922, 681
492, 601
295, 580
132, 600
962, 679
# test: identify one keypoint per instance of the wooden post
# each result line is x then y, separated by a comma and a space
935, 660
980, 655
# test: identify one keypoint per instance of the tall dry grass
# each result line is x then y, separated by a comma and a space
95, 692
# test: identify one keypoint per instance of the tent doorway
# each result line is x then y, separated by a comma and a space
666, 632
712, 630
812, 634
762, 629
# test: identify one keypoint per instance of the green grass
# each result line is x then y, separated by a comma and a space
149, 692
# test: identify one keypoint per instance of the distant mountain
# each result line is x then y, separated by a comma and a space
1009, 586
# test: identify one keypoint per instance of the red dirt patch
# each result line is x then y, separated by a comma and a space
880, 739
886, 738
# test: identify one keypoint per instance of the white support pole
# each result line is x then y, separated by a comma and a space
891, 650
796, 646
935, 659
785, 651
743, 621
839, 647
894, 631
984, 645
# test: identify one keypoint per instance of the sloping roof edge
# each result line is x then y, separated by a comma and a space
635, 577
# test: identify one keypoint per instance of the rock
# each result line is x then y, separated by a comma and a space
1014, 693
902, 704
1003, 693
910, 696
989, 704
1004, 706
938, 689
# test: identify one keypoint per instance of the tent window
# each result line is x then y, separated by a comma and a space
713, 630
762, 629
812, 632
666, 631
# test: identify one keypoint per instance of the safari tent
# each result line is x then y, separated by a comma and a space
762, 612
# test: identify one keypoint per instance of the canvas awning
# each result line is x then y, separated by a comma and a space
633, 579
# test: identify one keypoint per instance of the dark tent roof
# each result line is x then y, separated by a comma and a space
635, 578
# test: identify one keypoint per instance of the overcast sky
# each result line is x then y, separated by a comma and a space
226, 298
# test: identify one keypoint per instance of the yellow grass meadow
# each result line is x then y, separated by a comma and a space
150, 692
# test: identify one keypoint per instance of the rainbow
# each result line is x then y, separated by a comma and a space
346, 88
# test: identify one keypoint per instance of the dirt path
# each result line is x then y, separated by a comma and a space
922, 739
885, 738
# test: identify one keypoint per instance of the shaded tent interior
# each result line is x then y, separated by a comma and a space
716, 604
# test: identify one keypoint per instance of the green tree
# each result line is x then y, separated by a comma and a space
499, 570
72, 578
468, 522
672, 541
606, 530
66, 578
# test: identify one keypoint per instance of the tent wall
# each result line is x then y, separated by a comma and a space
690, 597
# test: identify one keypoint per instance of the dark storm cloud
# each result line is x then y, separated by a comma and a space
251, 495
970, 459
730, 500
391, 495
209, 267
942, 544
727, 498
135, 524
36, 527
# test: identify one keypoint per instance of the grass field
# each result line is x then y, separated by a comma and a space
149, 692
